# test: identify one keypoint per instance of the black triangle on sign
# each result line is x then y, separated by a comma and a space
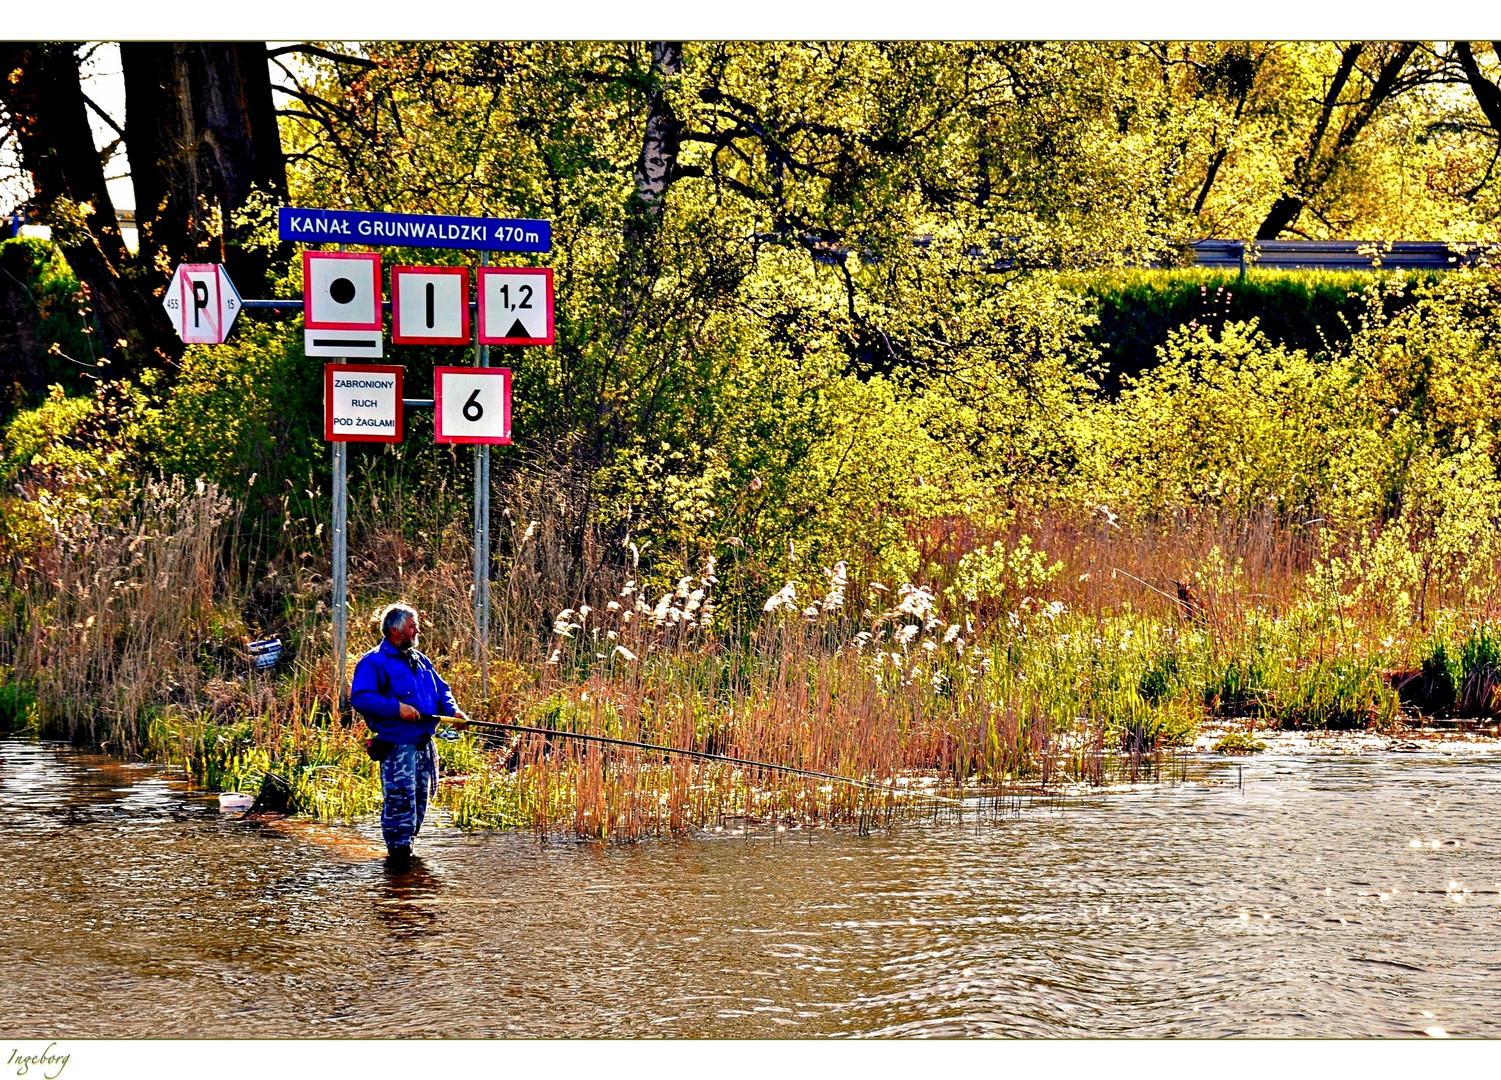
518, 330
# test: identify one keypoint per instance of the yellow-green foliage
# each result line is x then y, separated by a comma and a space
843, 347
251, 407
991, 576
564, 712
1443, 539
1235, 422
40, 436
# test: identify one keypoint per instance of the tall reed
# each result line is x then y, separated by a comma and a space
107, 616
127, 624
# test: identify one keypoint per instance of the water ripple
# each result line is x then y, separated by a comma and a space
1326, 897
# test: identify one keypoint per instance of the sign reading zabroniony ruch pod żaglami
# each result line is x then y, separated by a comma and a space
362, 403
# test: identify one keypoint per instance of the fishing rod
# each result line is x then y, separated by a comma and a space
702, 755
1154, 588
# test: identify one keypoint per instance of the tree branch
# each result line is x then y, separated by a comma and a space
116, 128
313, 50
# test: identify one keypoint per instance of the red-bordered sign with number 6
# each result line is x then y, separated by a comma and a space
472, 405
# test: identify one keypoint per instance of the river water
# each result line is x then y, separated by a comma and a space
1327, 896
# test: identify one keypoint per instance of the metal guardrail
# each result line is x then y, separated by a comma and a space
1243, 255
1338, 254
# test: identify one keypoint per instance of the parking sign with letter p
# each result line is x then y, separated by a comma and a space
202, 303
472, 405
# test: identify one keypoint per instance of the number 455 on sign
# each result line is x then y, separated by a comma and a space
472, 405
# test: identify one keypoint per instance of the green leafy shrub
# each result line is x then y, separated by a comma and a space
248, 408
996, 578
17, 707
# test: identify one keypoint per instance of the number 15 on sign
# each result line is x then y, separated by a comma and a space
472, 405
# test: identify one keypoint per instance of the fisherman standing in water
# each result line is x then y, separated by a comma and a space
400, 695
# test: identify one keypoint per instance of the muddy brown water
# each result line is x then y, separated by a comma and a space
1336, 896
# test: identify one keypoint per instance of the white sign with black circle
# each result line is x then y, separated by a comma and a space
341, 304
472, 405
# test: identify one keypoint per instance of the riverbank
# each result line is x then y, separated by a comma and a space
1041, 665
890, 707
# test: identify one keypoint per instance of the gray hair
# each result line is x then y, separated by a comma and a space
393, 615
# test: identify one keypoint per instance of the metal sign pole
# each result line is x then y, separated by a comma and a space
482, 533
341, 565
340, 575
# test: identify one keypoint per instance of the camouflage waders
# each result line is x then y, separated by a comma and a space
409, 774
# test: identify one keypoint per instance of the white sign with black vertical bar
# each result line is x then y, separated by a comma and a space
472, 405
341, 304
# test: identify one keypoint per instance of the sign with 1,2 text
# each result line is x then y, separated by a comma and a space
361, 403
472, 405
412, 230
430, 305
515, 305
341, 304
202, 303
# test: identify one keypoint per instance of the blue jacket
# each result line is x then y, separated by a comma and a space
385, 679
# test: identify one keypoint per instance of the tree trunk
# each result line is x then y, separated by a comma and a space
656, 168
1313, 168
1282, 214
200, 130
45, 106
22, 374
1487, 94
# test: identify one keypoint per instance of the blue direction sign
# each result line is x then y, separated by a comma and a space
413, 230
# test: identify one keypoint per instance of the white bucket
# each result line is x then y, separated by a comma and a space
235, 800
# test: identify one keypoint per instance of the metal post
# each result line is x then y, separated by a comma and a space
340, 575
482, 534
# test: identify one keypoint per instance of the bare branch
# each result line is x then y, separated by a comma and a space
116, 128
313, 50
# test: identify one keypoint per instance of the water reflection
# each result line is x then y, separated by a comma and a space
1296, 905
406, 898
